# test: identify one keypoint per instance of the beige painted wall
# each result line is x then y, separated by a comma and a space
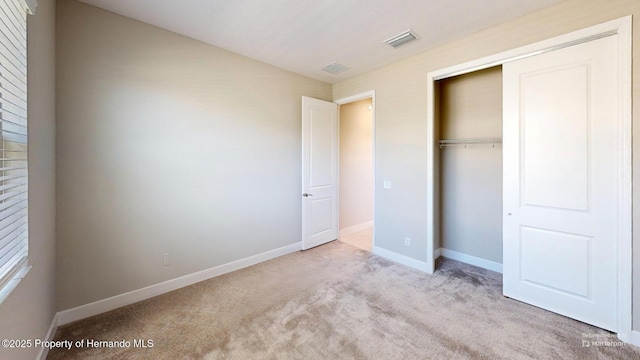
471, 177
356, 164
401, 115
166, 144
29, 309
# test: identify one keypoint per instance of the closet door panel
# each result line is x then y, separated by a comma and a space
561, 134
555, 124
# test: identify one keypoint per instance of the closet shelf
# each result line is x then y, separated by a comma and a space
465, 142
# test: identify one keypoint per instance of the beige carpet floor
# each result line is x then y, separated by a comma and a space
340, 302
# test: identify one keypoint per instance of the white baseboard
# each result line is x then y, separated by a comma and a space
634, 339
355, 228
114, 302
401, 259
44, 351
469, 259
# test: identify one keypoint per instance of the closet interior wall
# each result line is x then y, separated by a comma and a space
470, 176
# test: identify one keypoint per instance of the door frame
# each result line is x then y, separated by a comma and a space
620, 27
346, 100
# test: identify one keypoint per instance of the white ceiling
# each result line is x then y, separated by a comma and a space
305, 35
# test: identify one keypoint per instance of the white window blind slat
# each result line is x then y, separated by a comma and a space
11, 50
7, 106
14, 99
13, 248
14, 19
12, 215
13, 137
13, 236
17, 7
15, 214
10, 244
11, 168
25, 7
10, 40
16, 166
7, 178
10, 233
18, 138
13, 151
7, 85
12, 165
14, 156
7, 117
12, 195
14, 244
11, 73
13, 93
17, 107
10, 209
12, 258
12, 128
9, 187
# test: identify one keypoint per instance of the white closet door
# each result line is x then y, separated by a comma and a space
560, 181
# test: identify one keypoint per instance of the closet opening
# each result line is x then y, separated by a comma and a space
468, 171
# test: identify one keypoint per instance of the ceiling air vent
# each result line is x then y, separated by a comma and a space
402, 38
335, 68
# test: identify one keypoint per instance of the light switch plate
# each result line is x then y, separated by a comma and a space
387, 184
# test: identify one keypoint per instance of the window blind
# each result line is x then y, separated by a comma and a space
14, 229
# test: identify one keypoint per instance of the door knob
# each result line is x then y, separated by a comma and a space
307, 195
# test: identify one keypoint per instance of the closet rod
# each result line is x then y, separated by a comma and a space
465, 142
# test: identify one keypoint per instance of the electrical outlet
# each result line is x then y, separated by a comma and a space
407, 241
165, 259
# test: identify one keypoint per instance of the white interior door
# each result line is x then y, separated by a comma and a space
319, 172
561, 181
